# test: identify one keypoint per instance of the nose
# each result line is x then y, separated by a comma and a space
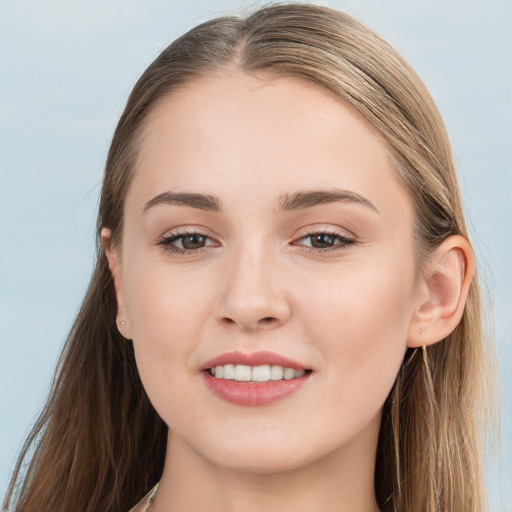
253, 295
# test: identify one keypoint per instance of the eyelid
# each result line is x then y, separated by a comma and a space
348, 239
188, 230
333, 230
330, 230
165, 240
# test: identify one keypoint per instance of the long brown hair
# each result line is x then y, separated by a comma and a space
99, 444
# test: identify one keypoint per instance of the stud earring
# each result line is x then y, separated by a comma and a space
122, 322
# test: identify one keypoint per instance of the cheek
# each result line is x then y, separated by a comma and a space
167, 312
164, 304
352, 301
359, 321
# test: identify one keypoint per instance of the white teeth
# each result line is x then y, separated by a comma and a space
242, 373
276, 373
263, 373
229, 371
288, 373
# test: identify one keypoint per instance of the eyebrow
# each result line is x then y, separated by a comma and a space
199, 201
293, 202
308, 199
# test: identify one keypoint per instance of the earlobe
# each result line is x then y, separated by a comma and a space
445, 286
113, 257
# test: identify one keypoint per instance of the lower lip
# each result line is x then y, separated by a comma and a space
251, 394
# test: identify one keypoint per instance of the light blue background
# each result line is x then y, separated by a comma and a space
66, 68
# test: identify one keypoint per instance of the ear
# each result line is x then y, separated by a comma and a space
444, 289
114, 259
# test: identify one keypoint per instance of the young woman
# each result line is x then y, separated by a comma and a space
284, 313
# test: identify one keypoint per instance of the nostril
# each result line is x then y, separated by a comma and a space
248, 324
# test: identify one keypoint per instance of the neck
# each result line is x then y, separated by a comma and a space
342, 480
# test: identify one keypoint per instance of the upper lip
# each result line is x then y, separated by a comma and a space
253, 359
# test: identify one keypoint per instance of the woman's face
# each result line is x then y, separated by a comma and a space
264, 228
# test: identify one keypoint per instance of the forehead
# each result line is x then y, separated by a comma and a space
258, 137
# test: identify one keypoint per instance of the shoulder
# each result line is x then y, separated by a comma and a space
143, 505
140, 507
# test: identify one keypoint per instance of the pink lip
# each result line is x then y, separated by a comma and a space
253, 393
254, 359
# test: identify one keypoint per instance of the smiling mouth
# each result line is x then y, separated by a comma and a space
255, 374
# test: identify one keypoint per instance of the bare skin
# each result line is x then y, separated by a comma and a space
331, 284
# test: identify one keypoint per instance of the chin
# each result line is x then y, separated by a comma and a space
264, 462
267, 454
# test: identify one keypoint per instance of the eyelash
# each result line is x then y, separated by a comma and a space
344, 241
166, 242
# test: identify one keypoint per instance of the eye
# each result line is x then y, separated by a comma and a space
323, 241
186, 242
